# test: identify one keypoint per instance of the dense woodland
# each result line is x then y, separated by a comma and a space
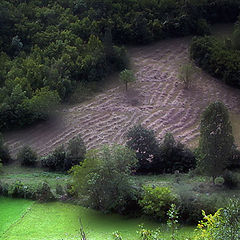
47, 47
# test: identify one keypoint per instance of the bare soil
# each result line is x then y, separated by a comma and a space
158, 100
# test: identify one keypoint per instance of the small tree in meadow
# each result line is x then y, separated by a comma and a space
127, 76
186, 75
216, 140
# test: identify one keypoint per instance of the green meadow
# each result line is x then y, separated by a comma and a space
26, 220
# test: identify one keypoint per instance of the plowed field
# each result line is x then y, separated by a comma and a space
157, 100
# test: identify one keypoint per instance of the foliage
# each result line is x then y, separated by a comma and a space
156, 201
192, 204
217, 59
44, 193
4, 152
75, 151
223, 225
173, 221
62, 159
127, 76
174, 156
104, 178
230, 179
55, 160
185, 75
27, 157
144, 143
216, 140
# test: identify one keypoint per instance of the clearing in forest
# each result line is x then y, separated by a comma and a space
157, 100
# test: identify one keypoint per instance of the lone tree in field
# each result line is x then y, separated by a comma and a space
216, 140
127, 76
185, 75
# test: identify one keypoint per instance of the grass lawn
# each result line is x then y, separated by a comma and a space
55, 221
11, 210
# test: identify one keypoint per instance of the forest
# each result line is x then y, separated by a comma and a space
153, 153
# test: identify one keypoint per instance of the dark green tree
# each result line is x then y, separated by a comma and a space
145, 144
216, 140
103, 178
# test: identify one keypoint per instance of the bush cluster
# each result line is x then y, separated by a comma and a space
217, 59
62, 159
27, 157
165, 157
42, 192
156, 201
4, 152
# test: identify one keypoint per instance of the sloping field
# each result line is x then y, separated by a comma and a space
157, 100
11, 210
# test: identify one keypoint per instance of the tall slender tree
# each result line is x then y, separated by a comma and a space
216, 140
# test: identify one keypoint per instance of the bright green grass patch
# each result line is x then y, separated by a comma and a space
56, 221
11, 210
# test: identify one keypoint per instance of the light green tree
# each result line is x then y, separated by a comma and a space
127, 76
104, 178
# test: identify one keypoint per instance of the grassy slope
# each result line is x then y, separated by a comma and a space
11, 210
61, 221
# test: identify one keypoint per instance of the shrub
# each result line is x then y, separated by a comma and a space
62, 159
202, 27
76, 151
145, 144
103, 178
1, 166
223, 225
156, 201
191, 206
27, 157
185, 75
55, 160
59, 189
44, 193
4, 152
230, 179
215, 58
219, 181
174, 156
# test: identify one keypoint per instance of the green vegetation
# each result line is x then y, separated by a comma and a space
27, 157
104, 178
219, 58
154, 157
156, 201
216, 140
186, 75
62, 159
127, 76
11, 211
61, 221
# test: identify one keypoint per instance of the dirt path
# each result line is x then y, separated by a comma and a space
158, 101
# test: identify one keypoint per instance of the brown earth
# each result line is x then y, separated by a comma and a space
157, 100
